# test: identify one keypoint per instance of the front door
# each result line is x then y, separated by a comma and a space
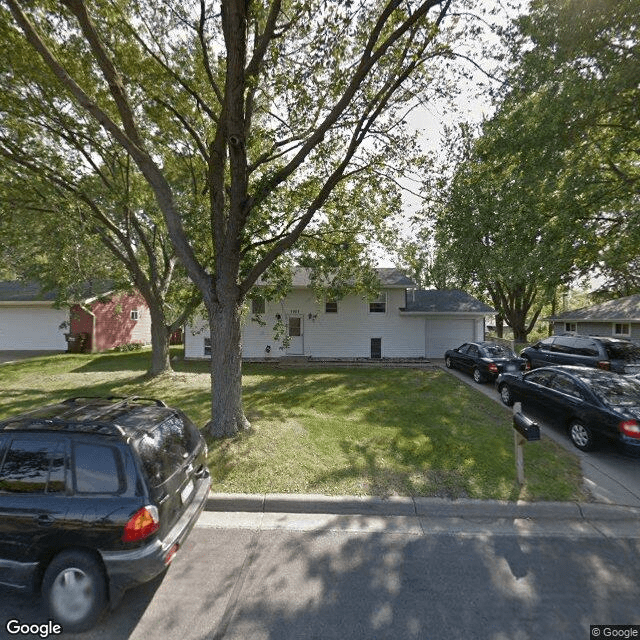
295, 334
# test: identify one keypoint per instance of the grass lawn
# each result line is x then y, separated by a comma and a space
339, 431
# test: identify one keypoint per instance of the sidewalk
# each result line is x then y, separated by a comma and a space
422, 515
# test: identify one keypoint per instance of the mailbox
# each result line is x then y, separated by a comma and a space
528, 429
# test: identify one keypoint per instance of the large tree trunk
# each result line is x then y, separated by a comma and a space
160, 354
227, 414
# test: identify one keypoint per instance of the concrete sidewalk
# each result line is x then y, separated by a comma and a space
424, 515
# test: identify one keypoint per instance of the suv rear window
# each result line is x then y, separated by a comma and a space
622, 350
166, 448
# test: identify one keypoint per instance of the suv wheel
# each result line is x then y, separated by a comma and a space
581, 436
505, 395
74, 589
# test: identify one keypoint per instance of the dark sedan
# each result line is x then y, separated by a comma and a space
593, 405
484, 360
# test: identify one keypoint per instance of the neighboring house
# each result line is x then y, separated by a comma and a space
617, 318
30, 322
400, 323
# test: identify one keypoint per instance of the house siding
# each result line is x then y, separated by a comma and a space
115, 327
596, 328
348, 333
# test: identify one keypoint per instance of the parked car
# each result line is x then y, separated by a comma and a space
96, 495
484, 360
592, 404
611, 354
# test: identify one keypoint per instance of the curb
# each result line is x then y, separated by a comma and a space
421, 507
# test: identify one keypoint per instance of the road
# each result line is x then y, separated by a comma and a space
610, 474
298, 577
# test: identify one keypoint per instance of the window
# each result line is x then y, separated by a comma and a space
34, 467
376, 348
565, 385
97, 469
570, 327
295, 327
379, 305
473, 351
330, 306
257, 306
621, 329
207, 346
135, 314
543, 378
167, 448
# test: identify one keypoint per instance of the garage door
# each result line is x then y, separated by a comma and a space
32, 328
447, 333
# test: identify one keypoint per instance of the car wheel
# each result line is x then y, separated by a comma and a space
505, 395
75, 590
477, 376
581, 436
448, 362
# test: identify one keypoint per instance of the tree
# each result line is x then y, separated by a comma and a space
573, 104
277, 105
549, 187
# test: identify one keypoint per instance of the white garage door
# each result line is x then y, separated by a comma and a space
447, 333
32, 329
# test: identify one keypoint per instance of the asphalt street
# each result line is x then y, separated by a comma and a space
274, 576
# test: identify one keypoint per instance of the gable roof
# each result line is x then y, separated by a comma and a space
626, 309
15, 292
390, 278
11, 291
445, 301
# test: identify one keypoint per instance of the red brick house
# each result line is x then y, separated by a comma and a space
123, 319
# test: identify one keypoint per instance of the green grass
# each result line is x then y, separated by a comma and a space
340, 431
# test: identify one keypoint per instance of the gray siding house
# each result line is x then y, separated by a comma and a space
616, 318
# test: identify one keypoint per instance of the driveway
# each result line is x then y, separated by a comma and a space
610, 474
13, 356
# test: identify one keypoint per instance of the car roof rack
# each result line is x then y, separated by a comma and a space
45, 424
122, 400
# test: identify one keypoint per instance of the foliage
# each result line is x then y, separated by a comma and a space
287, 116
548, 189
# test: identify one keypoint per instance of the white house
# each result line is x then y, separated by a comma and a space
400, 323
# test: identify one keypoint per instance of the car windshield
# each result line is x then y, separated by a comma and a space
613, 390
623, 351
498, 351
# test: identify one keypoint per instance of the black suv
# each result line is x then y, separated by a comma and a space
96, 496
611, 354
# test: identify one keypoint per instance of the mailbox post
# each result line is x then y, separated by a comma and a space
524, 430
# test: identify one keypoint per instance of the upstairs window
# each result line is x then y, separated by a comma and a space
135, 314
330, 306
379, 305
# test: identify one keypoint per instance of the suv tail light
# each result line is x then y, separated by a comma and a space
493, 367
630, 428
142, 524
604, 364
